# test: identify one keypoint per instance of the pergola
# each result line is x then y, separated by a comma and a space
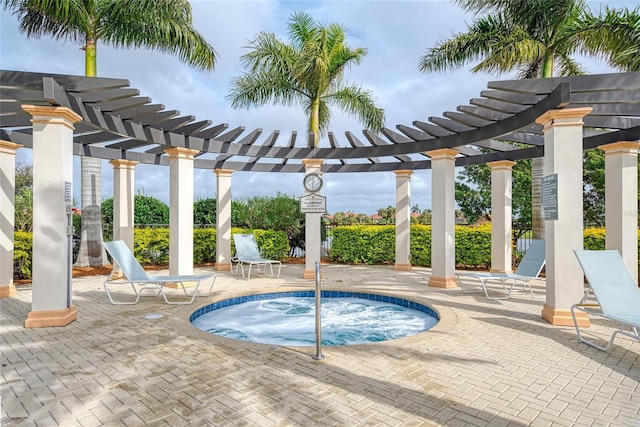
59, 116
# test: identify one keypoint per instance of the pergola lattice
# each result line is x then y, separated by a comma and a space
118, 123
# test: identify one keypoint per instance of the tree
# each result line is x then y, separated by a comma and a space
474, 198
307, 72
280, 213
204, 211
165, 26
535, 37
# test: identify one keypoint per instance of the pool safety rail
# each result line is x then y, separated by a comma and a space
318, 355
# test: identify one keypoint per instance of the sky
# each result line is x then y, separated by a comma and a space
395, 33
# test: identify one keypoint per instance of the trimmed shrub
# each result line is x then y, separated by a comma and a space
368, 244
421, 245
22, 254
594, 239
473, 246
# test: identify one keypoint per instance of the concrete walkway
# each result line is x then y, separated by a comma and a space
491, 363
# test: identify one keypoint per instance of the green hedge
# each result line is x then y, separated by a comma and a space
371, 244
351, 245
375, 244
151, 245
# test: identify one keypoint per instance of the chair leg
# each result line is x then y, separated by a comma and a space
136, 292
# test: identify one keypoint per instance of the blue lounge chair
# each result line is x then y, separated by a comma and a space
528, 269
247, 252
614, 293
135, 275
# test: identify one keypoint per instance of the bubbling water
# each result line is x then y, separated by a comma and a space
291, 321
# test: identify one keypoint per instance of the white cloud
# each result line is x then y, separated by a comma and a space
396, 34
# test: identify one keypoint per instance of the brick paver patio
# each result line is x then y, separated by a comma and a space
491, 363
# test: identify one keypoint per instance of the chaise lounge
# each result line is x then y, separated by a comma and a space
528, 269
247, 252
135, 275
614, 294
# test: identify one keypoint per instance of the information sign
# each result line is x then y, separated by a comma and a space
313, 203
549, 197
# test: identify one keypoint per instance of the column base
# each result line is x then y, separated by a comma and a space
443, 282
563, 317
402, 267
223, 266
8, 291
311, 274
45, 318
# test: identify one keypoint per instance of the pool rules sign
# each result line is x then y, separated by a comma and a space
549, 197
313, 203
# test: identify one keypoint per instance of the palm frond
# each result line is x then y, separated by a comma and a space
358, 102
482, 38
259, 89
613, 35
165, 26
60, 19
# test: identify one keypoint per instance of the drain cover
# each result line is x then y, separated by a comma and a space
153, 316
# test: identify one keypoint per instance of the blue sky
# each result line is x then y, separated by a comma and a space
396, 34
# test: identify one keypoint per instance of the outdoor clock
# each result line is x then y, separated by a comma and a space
312, 182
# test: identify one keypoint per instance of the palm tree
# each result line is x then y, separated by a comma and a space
536, 38
308, 72
165, 26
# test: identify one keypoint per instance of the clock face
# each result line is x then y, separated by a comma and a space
312, 182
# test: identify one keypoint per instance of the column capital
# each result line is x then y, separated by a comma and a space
621, 147
181, 153
223, 172
312, 163
123, 164
442, 153
563, 117
7, 147
55, 115
403, 173
501, 165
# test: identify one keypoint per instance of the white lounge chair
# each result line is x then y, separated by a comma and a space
247, 252
614, 293
135, 275
529, 268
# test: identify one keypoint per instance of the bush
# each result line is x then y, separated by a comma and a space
473, 246
371, 244
421, 245
368, 244
22, 254
147, 210
204, 211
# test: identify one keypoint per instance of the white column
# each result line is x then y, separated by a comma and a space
501, 250
563, 156
123, 200
181, 210
621, 201
7, 216
52, 201
312, 238
403, 220
223, 220
443, 218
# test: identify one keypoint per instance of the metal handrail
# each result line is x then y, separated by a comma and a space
318, 355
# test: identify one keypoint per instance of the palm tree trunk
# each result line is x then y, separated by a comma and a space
314, 122
91, 252
537, 170
537, 223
